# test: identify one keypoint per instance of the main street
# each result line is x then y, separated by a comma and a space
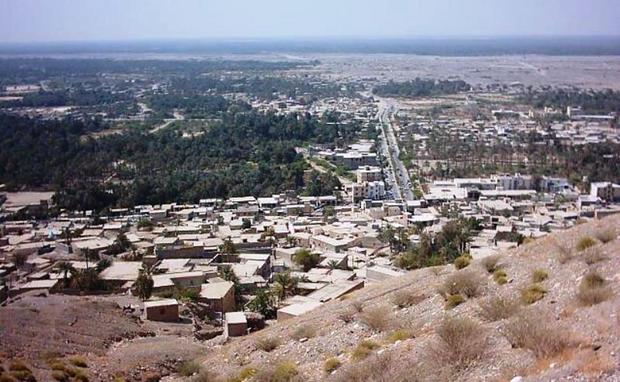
397, 175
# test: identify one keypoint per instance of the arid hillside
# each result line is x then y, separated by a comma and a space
549, 310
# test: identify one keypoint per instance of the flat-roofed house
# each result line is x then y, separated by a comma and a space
297, 309
219, 295
236, 324
328, 243
162, 310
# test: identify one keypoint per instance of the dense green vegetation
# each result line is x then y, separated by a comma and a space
29, 70
421, 88
444, 248
244, 153
525, 154
604, 102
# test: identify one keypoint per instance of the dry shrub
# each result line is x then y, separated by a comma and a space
585, 243
189, 368
358, 306
303, 331
565, 254
454, 300
539, 275
399, 335
244, 375
78, 361
205, 376
18, 365
363, 349
593, 256
376, 368
606, 235
490, 263
377, 318
466, 283
60, 376
267, 344
532, 293
537, 332
593, 290
284, 371
331, 364
405, 298
346, 315
462, 342
500, 276
498, 308
80, 376
595, 364
462, 261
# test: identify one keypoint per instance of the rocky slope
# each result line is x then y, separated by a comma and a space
556, 317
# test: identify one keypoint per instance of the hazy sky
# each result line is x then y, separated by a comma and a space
76, 20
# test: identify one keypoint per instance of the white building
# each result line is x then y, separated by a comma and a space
607, 191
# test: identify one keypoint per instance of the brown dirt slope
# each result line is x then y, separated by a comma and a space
564, 334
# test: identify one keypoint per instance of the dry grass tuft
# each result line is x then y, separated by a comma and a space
303, 331
358, 306
500, 276
532, 293
244, 375
565, 254
593, 290
593, 256
595, 364
189, 368
399, 335
364, 349
498, 308
454, 300
462, 342
267, 344
606, 235
284, 371
465, 283
538, 333
491, 263
539, 275
462, 261
204, 376
331, 364
405, 298
78, 361
377, 318
585, 243
346, 315
376, 368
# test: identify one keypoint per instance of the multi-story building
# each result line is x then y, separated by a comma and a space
367, 190
607, 191
368, 174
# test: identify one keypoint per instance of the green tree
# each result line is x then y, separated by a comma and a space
284, 285
228, 247
263, 303
306, 259
144, 284
66, 268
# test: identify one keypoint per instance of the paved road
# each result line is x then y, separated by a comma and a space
396, 172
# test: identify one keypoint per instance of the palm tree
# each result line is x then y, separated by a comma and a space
228, 274
228, 248
144, 284
332, 264
66, 268
284, 284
